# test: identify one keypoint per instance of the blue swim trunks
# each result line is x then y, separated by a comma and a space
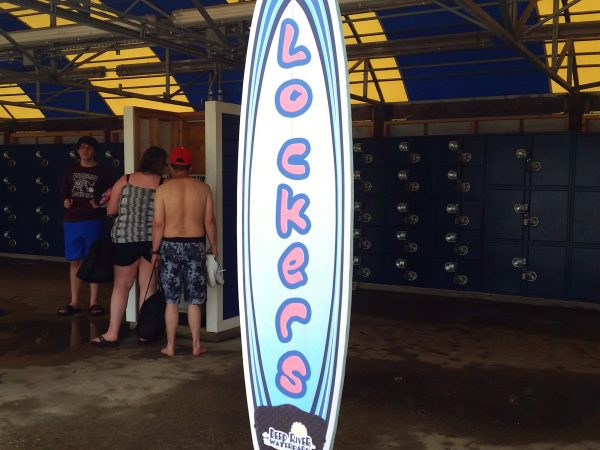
182, 268
79, 236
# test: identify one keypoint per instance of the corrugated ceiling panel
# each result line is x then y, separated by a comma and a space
382, 78
142, 85
587, 53
13, 92
479, 72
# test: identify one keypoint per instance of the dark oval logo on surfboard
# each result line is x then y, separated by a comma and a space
294, 223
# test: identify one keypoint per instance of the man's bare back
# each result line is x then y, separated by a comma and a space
186, 203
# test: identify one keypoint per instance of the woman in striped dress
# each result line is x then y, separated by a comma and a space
132, 201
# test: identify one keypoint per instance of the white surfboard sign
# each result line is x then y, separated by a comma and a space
295, 223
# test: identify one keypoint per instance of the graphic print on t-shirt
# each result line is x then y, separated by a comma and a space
84, 184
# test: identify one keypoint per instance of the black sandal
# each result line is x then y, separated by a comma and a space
102, 342
68, 310
96, 310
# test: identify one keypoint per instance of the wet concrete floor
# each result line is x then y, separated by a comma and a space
423, 373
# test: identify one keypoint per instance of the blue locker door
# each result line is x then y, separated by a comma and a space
499, 274
471, 179
587, 160
503, 166
549, 264
551, 210
405, 270
372, 268
442, 272
371, 240
468, 276
583, 276
371, 211
586, 217
501, 221
469, 244
473, 150
553, 153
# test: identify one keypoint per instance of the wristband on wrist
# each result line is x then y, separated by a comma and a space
156, 252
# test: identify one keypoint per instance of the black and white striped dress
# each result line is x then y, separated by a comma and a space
136, 210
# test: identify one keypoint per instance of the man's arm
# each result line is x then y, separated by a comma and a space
210, 224
65, 188
158, 224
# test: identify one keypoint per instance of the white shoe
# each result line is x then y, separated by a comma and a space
212, 269
219, 276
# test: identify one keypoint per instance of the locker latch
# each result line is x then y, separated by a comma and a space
521, 208
460, 280
519, 262
9, 213
529, 275
8, 236
414, 158
365, 217
530, 164
530, 221
534, 166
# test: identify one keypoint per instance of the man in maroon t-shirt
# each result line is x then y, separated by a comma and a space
82, 187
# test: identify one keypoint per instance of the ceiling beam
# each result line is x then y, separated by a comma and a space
139, 30
242, 11
552, 16
77, 34
465, 108
423, 45
53, 108
53, 125
211, 23
10, 74
476, 11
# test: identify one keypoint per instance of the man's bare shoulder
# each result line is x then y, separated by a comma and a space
187, 183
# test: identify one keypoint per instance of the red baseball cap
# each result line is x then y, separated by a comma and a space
181, 156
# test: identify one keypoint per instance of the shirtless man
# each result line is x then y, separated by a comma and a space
183, 216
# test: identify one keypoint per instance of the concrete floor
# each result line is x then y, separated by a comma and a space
423, 373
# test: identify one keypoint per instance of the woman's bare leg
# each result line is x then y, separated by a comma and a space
124, 278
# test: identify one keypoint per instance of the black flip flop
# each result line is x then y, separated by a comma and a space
68, 310
96, 310
101, 342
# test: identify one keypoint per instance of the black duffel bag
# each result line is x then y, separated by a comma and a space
151, 320
97, 266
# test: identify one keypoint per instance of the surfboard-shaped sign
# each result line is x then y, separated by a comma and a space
295, 223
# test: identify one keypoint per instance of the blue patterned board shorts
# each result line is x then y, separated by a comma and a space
183, 268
